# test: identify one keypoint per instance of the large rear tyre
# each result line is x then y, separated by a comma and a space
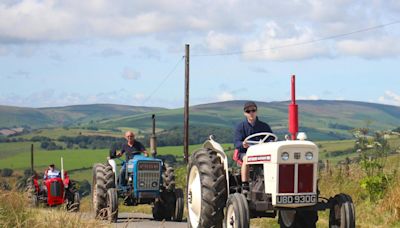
103, 179
297, 219
112, 205
206, 189
179, 205
32, 194
342, 214
98, 190
237, 212
168, 178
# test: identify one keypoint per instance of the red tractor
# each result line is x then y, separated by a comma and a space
54, 191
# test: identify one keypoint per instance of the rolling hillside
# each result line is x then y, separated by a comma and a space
322, 119
69, 115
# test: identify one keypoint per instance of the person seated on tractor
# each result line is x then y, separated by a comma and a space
51, 172
131, 148
249, 126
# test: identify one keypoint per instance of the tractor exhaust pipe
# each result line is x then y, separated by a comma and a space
62, 168
293, 111
153, 138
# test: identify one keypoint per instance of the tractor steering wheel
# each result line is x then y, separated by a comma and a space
265, 134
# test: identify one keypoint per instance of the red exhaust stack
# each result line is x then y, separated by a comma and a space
293, 112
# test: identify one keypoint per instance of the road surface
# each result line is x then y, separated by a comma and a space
140, 220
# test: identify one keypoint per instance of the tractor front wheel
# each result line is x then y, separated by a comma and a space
206, 189
179, 205
299, 218
342, 214
159, 211
237, 212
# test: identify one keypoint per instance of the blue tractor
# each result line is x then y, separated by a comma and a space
147, 180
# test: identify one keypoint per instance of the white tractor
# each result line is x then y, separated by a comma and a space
283, 182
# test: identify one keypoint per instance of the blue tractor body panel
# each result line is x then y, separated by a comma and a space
145, 177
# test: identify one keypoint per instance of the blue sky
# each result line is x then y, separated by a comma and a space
55, 53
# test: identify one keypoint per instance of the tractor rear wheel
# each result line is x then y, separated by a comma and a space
342, 214
168, 178
31, 192
112, 205
179, 205
297, 219
98, 190
103, 179
206, 189
237, 212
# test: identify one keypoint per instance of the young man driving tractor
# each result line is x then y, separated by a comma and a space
249, 126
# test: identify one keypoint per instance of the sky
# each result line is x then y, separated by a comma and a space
57, 53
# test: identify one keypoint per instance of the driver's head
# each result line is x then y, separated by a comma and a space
250, 110
51, 167
130, 136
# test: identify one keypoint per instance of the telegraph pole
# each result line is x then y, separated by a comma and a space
32, 168
186, 107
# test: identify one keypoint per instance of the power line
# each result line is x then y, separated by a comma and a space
164, 80
302, 43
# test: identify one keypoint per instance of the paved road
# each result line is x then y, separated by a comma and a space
139, 220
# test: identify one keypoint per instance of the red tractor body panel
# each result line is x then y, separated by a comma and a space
55, 191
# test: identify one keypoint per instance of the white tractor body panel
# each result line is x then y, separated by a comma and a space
113, 164
298, 184
214, 146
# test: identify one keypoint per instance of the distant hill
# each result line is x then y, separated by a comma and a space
69, 115
322, 119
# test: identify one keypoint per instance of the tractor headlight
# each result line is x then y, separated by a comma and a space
154, 184
285, 156
141, 184
309, 155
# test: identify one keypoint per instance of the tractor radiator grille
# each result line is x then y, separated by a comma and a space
148, 180
286, 178
289, 182
55, 188
305, 178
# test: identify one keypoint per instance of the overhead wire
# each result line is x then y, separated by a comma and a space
166, 77
300, 43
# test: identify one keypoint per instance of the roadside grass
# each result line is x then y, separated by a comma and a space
15, 213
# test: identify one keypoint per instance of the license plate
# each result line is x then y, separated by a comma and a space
296, 199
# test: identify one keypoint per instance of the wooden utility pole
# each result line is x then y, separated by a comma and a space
32, 170
186, 108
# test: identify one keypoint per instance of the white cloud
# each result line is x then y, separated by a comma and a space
52, 98
370, 48
222, 25
130, 74
275, 40
225, 96
390, 98
220, 41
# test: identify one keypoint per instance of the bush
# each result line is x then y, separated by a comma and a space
7, 172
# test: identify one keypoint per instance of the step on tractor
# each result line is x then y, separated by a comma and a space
57, 191
283, 183
148, 180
